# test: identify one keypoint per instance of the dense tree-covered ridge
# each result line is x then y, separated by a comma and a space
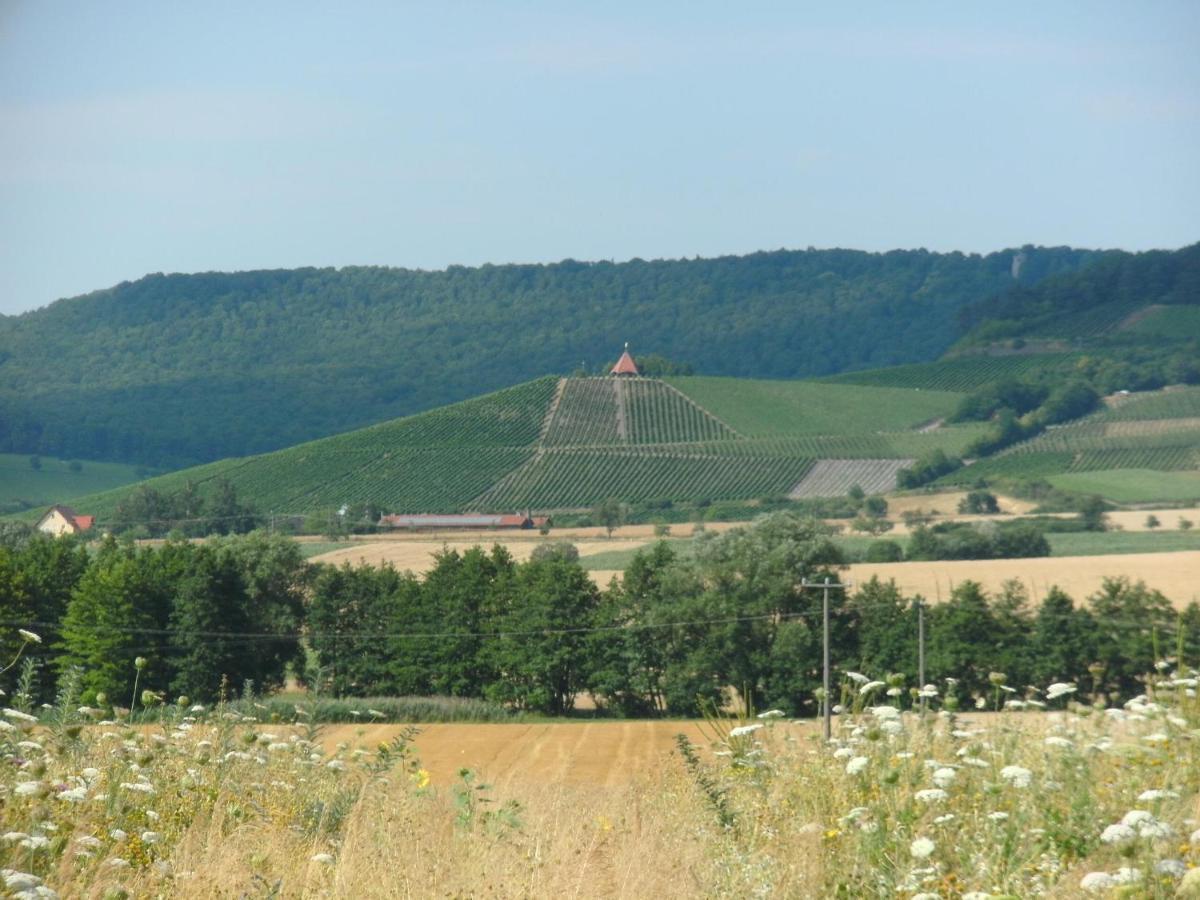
1094, 301
175, 369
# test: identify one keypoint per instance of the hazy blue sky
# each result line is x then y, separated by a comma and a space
142, 137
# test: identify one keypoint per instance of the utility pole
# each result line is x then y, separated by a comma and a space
921, 650
827, 728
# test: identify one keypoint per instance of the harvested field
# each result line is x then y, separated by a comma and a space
945, 503
835, 477
1177, 575
608, 754
417, 556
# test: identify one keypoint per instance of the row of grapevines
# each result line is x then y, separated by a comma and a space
835, 477
657, 414
569, 479
434, 479
1181, 403
1163, 459
586, 414
508, 418
899, 445
1083, 437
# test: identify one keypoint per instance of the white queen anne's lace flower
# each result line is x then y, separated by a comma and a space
921, 848
856, 765
1117, 834
1017, 776
1095, 882
930, 795
1059, 689
944, 777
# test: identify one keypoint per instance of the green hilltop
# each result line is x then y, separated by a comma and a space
572, 442
1018, 397
173, 370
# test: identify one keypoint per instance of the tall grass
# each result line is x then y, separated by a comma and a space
1053, 794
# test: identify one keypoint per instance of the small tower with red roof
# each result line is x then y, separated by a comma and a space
625, 365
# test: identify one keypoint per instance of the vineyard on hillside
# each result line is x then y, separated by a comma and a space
656, 413
583, 478
570, 443
802, 408
835, 477
1178, 403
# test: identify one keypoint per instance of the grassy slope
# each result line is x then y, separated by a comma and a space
55, 482
1169, 322
1132, 485
790, 408
964, 373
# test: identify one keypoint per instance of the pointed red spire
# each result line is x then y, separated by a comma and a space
625, 365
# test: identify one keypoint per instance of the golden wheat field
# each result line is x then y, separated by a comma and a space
603, 753
1177, 575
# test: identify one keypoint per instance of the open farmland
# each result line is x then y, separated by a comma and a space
53, 480
1177, 575
605, 754
1132, 485
418, 555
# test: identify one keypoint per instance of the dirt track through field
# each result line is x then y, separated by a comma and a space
607, 754
1177, 575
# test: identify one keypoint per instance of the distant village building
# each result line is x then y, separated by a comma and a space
625, 365
60, 520
466, 520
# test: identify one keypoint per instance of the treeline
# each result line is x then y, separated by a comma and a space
674, 634
201, 619
187, 512
263, 360
1114, 281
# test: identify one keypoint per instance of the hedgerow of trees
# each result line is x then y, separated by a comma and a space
676, 633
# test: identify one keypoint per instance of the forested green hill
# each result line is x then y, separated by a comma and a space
176, 369
1104, 300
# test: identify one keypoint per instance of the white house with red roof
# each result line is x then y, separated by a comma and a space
60, 520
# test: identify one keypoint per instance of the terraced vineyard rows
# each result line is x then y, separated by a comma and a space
586, 414
1095, 320
835, 477
903, 444
1181, 403
581, 478
658, 414
1164, 459
1078, 438
963, 374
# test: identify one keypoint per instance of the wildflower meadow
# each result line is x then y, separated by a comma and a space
1045, 792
